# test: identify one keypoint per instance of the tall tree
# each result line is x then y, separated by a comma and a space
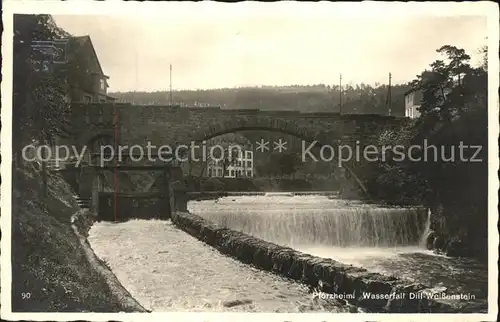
40, 109
449, 88
454, 96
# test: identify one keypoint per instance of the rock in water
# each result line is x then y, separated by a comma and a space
438, 243
454, 248
430, 240
236, 303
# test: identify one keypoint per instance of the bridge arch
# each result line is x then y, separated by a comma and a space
100, 138
93, 134
262, 123
92, 141
318, 138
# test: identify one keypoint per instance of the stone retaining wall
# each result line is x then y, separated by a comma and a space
81, 223
328, 275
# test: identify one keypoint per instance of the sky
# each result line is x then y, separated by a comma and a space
219, 49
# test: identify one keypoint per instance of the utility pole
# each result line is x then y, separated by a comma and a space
340, 91
170, 84
136, 71
389, 95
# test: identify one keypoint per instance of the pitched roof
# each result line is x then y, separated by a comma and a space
84, 40
411, 90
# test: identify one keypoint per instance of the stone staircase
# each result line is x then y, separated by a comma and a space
82, 201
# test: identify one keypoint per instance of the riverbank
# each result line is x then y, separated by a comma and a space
49, 261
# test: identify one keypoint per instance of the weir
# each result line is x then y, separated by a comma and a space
316, 220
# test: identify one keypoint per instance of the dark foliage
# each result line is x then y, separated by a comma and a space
40, 109
455, 186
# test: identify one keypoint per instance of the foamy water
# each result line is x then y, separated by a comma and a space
386, 240
166, 269
316, 220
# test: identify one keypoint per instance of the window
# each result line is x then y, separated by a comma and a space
249, 173
248, 154
87, 98
103, 84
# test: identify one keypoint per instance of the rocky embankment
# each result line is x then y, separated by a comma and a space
459, 189
52, 262
453, 235
327, 275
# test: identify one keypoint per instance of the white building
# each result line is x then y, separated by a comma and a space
412, 103
215, 168
242, 167
413, 98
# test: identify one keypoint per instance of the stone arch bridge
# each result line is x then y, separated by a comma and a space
127, 125
131, 125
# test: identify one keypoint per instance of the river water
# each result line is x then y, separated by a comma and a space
387, 240
165, 269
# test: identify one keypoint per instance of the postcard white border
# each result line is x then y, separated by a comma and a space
483, 8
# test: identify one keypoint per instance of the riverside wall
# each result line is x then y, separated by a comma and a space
326, 275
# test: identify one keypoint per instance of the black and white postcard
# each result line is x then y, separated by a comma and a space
288, 161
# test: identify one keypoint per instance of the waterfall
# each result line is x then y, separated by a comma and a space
307, 220
427, 230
